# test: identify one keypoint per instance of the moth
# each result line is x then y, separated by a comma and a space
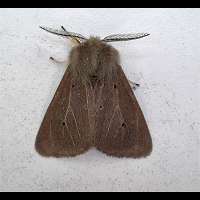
94, 105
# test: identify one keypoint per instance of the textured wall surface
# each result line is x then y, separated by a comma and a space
166, 64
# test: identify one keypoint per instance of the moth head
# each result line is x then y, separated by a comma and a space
80, 38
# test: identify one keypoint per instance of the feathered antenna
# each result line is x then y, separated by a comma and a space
124, 37
63, 33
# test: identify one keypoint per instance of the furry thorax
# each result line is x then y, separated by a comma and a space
93, 59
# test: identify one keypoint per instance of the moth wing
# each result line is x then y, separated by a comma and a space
65, 128
121, 129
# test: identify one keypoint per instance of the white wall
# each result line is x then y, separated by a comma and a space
167, 65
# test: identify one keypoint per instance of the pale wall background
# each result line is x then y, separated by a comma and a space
167, 65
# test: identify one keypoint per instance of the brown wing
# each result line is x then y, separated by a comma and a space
121, 129
65, 129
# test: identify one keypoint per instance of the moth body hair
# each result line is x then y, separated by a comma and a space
93, 58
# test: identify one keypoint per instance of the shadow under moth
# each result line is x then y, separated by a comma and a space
94, 105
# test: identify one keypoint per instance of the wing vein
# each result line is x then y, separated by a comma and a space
50, 132
87, 102
75, 122
72, 139
111, 120
137, 122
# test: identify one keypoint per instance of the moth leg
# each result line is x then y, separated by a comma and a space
73, 39
58, 61
134, 85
